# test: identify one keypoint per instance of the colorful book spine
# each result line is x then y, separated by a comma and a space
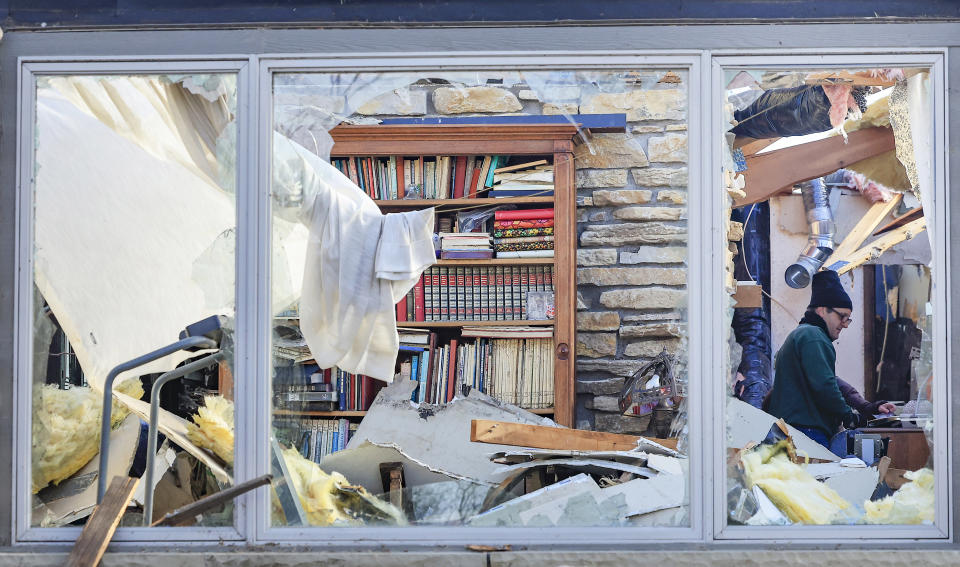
523, 214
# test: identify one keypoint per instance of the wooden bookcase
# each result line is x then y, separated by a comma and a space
513, 140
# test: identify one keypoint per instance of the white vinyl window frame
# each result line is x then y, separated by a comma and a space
527, 538
720, 328
30, 69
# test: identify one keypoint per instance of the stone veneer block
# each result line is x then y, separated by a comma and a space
668, 316
595, 178
649, 213
676, 127
616, 423
449, 100
672, 196
616, 367
651, 330
631, 276
603, 386
527, 94
604, 403
646, 298
660, 104
596, 345
610, 151
669, 148
598, 321
402, 102
596, 256
660, 177
647, 129
655, 255
621, 197
632, 233
652, 348
553, 108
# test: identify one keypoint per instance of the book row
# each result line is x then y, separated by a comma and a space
474, 293
321, 437
515, 371
327, 389
445, 177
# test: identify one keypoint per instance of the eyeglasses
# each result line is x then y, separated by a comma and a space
845, 318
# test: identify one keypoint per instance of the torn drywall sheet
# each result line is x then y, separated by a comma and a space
855, 485
746, 424
586, 465
438, 436
821, 471
75, 498
361, 465
668, 465
526, 455
767, 512
165, 459
175, 428
642, 496
508, 513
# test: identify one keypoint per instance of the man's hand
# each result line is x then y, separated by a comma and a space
886, 408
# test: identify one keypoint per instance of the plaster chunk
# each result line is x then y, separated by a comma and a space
596, 345
655, 255
552, 108
593, 178
608, 151
598, 321
673, 197
651, 348
660, 177
631, 276
621, 197
735, 231
649, 213
596, 256
646, 298
632, 233
652, 330
401, 102
474, 99
660, 104
668, 148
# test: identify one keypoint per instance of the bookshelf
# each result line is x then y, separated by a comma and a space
551, 141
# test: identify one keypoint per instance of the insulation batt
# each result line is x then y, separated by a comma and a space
212, 427
66, 429
795, 492
328, 499
912, 504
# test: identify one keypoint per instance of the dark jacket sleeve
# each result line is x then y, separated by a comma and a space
817, 358
858, 402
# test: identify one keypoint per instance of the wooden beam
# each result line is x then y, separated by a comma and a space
561, 438
750, 146
768, 174
859, 78
911, 215
748, 295
862, 229
879, 246
96, 534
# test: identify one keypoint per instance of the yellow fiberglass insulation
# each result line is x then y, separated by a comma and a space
328, 499
66, 429
791, 488
212, 427
913, 503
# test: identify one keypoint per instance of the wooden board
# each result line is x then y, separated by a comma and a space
859, 78
96, 534
748, 295
770, 173
543, 437
911, 215
874, 249
863, 228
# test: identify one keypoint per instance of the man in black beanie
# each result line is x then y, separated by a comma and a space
805, 390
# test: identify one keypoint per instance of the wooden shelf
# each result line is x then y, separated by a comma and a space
486, 202
496, 262
417, 324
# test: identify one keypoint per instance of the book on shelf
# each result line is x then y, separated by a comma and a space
524, 214
526, 254
466, 254
498, 193
317, 438
522, 223
519, 166
478, 293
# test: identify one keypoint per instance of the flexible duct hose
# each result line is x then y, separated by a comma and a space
820, 243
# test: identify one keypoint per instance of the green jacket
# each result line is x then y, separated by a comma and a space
805, 391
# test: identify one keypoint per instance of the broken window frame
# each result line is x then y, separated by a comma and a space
364, 537
31, 68
846, 59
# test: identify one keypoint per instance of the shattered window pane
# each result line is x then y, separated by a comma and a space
451, 421
830, 378
134, 241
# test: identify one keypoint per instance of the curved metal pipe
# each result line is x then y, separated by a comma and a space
820, 242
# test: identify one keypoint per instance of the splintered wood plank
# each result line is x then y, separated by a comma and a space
96, 534
859, 78
874, 249
863, 228
543, 437
750, 146
770, 173
911, 215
